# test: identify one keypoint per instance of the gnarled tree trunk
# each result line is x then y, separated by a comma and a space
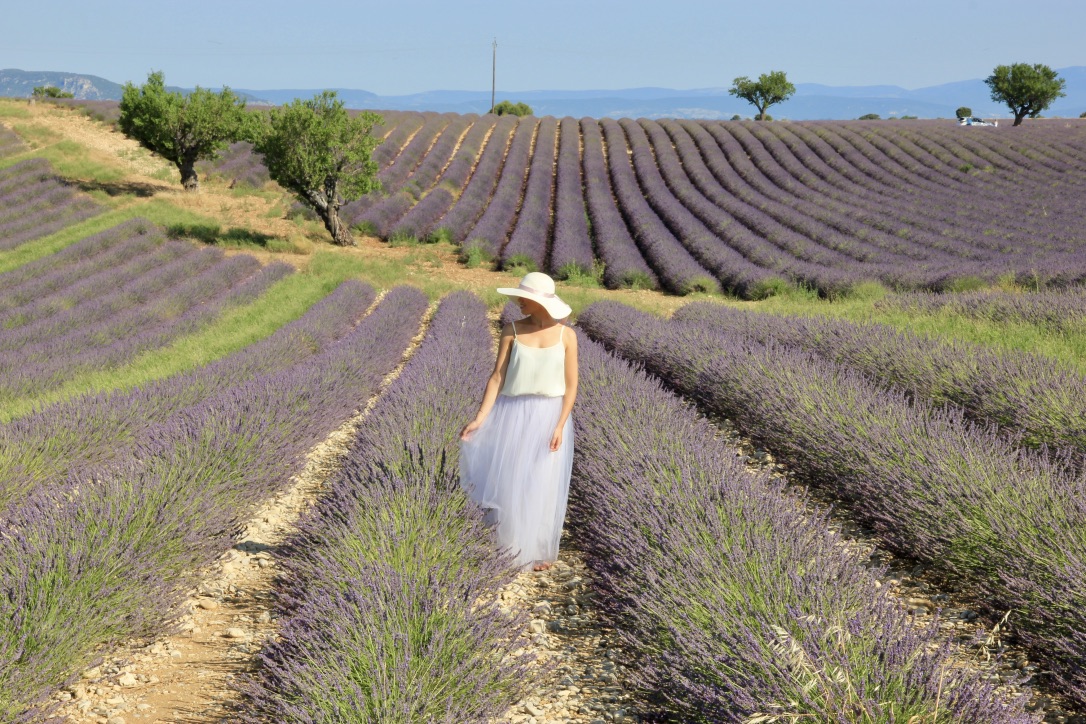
341, 235
189, 179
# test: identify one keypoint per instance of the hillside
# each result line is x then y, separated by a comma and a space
812, 100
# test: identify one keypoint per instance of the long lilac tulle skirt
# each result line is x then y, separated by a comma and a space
507, 467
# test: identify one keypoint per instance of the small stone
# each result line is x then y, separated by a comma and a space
116, 720
235, 633
175, 654
264, 617
115, 700
143, 707
92, 673
208, 604
128, 680
537, 626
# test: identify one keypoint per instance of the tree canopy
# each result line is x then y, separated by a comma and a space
770, 88
513, 109
321, 154
49, 91
181, 128
963, 112
1026, 89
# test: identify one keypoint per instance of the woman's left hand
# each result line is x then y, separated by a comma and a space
556, 440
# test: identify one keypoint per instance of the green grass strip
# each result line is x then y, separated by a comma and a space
236, 328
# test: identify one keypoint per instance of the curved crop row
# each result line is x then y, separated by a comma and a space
677, 268
1008, 522
1062, 311
108, 555
491, 231
389, 600
46, 317
528, 244
571, 251
194, 303
421, 219
739, 606
1032, 397
95, 429
472, 201
28, 190
42, 277
624, 265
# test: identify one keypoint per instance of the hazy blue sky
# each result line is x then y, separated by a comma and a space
396, 47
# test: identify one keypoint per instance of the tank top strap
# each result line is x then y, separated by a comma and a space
561, 331
514, 330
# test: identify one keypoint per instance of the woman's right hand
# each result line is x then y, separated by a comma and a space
471, 427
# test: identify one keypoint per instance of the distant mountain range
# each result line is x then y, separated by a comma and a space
811, 101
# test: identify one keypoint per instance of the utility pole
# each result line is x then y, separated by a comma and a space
493, 74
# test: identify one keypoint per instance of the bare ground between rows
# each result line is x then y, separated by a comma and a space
187, 675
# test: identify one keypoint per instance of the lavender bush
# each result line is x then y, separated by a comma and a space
389, 588
1007, 522
528, 244
571, 252
107, 556
738, 606
93, 430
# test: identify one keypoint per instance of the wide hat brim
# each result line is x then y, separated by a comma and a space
554, 306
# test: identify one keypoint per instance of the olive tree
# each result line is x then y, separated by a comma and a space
182, 128
321, 154
963, 112
509, 108
770, 88
1026, 89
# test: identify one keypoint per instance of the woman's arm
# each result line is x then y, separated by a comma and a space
571, 390
494, 384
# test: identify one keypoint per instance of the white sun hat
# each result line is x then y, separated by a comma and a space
539, 287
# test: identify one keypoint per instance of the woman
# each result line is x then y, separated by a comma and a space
516, 456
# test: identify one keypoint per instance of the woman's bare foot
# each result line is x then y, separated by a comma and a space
542, 566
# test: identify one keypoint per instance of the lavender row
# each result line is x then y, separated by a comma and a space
112, 343
491, 232
528, 244
1037, 400
91, 255
663, 181
472, 201
420, 221
100, 296
571, 251
384, 214
108, 555
27, 190
747, 170
165, 292
679, 271
1062, 311
737, 604
1008, 523
624, 265
95, 429
388, 602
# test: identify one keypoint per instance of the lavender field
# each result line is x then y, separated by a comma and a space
700, 205
737, 591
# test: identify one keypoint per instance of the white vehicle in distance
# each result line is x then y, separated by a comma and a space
974, 121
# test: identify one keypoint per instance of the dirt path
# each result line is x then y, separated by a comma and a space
186, 677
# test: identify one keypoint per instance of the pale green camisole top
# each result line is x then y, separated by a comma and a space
536, 370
